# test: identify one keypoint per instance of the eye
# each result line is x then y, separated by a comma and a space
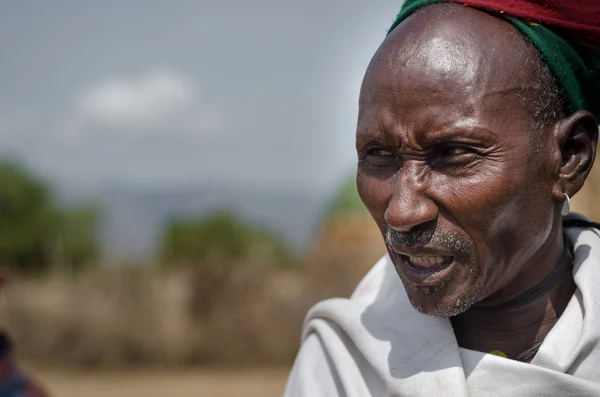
456, 156
452, 151
379, 152
378, 157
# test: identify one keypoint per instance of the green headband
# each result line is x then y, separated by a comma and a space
575, 67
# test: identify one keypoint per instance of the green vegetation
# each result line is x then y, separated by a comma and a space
220, 239
347, 203
35, 234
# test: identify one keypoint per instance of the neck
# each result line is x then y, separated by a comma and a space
515, 330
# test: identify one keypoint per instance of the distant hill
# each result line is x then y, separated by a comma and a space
135, 217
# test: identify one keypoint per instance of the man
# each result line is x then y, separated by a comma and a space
477, 123
13, 382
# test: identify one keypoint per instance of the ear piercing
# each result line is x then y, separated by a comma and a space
566, 207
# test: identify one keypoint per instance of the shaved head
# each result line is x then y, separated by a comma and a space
504, 55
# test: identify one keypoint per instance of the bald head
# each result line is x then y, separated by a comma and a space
485, 54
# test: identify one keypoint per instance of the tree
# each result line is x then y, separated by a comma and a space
219, 238
35, 233
26, 218
213, 247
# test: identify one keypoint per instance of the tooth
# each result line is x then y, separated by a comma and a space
431, 260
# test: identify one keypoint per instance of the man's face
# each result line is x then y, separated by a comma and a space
448, 164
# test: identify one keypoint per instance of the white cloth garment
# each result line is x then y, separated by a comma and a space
377, 344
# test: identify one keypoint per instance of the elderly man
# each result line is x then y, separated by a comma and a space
477, 123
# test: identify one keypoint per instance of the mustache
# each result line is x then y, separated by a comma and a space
449, 242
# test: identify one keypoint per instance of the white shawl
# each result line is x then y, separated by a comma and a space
377, 344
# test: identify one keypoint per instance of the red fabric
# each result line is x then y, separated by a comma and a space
577, 19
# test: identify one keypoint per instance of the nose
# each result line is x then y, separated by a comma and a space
410, 207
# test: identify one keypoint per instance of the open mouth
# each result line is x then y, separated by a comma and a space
425, 270
428, 261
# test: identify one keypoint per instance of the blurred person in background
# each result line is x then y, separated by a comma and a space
13, 381
478, 122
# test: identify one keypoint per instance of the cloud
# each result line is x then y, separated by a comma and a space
160, 101
140, 102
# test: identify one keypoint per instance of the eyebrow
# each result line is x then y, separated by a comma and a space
367, 135
372, 132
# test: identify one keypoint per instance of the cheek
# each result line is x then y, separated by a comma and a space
495, 207
478, 201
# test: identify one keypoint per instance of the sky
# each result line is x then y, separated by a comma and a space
163, 93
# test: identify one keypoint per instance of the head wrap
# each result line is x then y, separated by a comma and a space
565, 32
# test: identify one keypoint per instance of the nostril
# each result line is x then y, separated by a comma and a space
425, 227
414, 237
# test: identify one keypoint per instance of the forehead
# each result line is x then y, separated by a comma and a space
447, 66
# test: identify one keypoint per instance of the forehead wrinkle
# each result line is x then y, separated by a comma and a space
452, 67
385, 123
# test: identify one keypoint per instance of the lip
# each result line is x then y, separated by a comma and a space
423, 275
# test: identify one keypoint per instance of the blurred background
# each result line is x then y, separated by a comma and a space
177, 187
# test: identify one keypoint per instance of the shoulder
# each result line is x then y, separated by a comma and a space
313, 374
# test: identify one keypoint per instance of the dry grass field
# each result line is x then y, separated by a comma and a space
191, 383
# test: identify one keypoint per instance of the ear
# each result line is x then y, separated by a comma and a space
576, 137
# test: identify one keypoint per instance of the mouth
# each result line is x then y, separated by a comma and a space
427, 262
423, 269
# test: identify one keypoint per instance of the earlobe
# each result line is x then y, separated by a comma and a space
577, 137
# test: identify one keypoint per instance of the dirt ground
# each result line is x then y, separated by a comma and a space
254, 383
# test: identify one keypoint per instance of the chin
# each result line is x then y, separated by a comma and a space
443, 291
440, 301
